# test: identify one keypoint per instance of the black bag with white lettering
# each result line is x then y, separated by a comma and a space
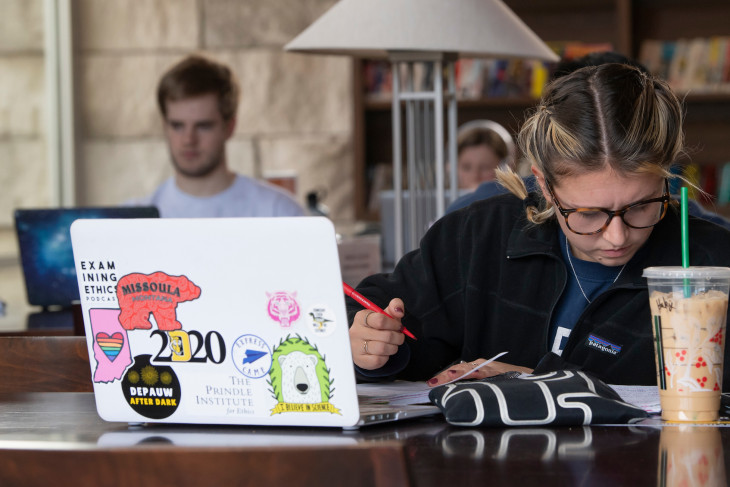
563, 398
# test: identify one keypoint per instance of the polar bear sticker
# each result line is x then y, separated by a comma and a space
299, 381
299, 378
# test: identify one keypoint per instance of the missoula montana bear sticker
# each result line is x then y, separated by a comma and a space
299, 378
158, 294
151, 390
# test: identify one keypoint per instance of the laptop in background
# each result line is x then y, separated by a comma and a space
220, 321
45, 249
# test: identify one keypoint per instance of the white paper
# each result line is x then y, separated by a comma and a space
401, 393
645, 397
398, 393
476, 368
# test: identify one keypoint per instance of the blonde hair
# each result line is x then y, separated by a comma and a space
608, 116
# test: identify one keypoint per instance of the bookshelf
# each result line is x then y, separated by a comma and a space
624, 24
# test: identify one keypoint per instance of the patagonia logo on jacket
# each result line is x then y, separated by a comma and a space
602, 345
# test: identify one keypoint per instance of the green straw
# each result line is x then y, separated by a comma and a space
685, 237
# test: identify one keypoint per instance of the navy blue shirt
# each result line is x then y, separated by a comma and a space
594, 279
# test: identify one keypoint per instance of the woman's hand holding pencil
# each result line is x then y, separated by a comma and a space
374, 336
349, 291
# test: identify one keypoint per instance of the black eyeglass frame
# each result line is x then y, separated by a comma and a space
665, 198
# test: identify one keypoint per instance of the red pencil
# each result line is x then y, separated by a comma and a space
371, 306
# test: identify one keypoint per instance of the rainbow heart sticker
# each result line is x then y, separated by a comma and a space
110, 345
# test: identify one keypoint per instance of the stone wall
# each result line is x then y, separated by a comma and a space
23, 167
295, 113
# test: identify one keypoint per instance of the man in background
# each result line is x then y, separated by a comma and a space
198, 99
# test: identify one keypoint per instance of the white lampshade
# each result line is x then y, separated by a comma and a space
376, 28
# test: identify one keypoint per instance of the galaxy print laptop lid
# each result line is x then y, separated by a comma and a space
44, 243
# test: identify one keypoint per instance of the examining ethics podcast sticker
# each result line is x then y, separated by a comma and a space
251, 356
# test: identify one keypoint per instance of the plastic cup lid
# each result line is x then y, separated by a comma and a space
670, 272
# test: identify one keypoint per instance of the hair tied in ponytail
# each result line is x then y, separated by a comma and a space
531, 200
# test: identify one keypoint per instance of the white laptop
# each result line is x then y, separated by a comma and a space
219, 321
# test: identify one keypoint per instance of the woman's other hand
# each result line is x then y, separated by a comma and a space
457, 370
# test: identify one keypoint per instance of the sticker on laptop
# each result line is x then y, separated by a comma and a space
321, 320
111, 347
191, 346
283, 308
299, 378
151, 390
252, 356
99, 280
157, 294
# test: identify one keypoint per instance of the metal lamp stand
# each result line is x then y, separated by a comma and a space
424, 138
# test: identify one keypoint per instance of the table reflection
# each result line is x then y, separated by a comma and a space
590, 455
435, 452
691, 455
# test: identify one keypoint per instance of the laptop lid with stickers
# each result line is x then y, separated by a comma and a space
220, 321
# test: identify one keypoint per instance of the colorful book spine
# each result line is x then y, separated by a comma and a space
723, 192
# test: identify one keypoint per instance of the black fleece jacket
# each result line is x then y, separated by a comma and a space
485, 280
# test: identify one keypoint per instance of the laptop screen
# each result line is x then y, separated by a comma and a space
45, 249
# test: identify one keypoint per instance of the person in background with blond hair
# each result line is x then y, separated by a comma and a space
539, 273
482, 147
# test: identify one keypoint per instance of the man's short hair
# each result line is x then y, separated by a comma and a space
198, 75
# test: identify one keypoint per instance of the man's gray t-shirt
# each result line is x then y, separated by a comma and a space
246, 197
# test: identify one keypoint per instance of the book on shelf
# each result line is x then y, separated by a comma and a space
678, 66
380, 176
723, 190
691, 173
712, 179
697, 65
569, 50
377, 78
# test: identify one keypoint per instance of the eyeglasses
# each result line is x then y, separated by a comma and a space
589, 221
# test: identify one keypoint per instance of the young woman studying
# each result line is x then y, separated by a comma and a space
554, 277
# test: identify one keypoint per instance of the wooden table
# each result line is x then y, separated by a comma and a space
58, 438
42, 323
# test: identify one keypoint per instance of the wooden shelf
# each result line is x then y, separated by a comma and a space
702, 98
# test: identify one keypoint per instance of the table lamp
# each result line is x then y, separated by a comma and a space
436, 32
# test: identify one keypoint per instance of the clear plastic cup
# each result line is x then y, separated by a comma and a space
689, 313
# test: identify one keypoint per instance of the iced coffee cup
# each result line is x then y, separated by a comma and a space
689, 312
